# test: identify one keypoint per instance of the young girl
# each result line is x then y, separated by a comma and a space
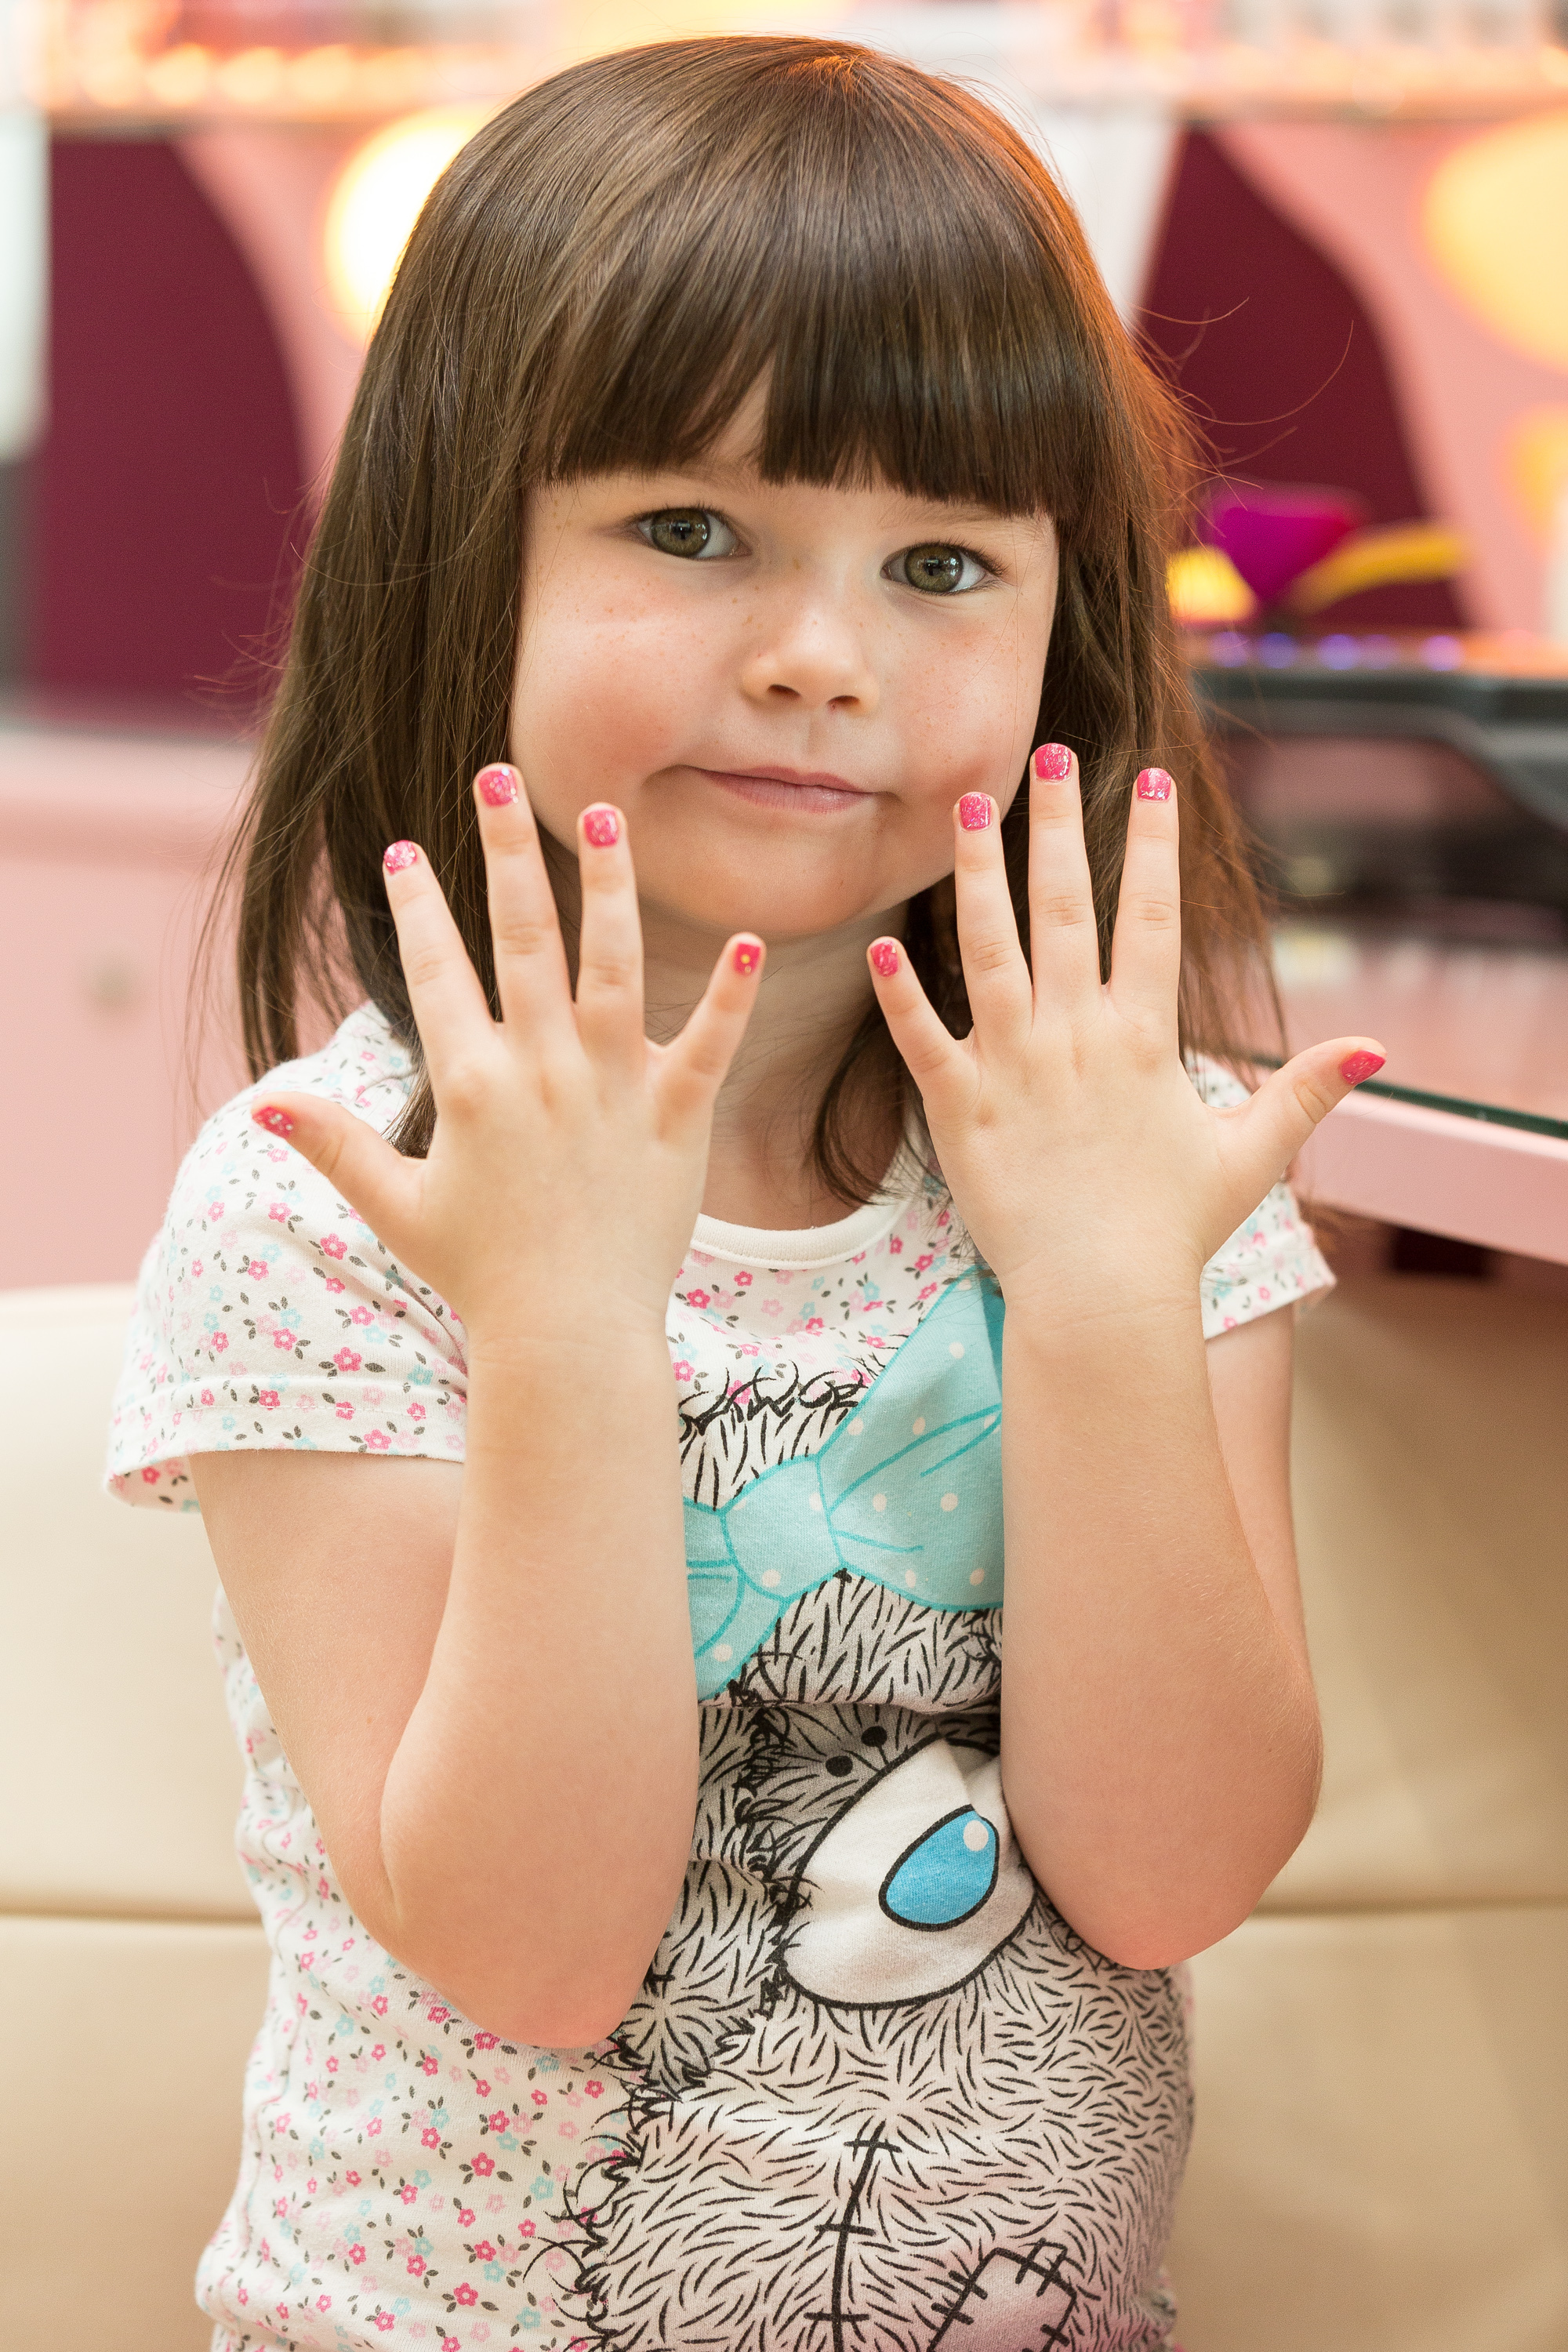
759, 1189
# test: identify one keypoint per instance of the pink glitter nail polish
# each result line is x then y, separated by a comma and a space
974, 812
1053, 762
1154, 784
1357, 1066
885, 956
498, 786
601, 827
276, 1121
747, 956
401, 853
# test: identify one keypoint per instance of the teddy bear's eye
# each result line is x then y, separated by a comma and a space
914, 1886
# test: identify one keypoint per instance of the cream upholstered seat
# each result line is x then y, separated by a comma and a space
1381, 2158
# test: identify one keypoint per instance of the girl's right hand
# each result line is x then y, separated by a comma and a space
566, 1168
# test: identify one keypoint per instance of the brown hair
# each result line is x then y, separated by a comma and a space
596, 283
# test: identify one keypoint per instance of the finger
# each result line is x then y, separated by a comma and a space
1146, 951
1064, 939
448, 1003
932, 1054
994, 972
376, 1181
695, 1065
609, 942
532, 985
1265, 1133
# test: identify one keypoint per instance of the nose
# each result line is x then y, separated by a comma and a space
811, 651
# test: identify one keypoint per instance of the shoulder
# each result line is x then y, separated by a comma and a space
267, 1314
1272, 1259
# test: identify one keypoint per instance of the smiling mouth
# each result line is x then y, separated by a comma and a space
783, 788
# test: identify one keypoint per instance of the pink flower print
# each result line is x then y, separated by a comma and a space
220, 1342
277, 1212
594, 2090
484, 2041
334, 1244
743, 1280
196, 1269
408, 2193
1264, 1291
895, 1247
257, 1269
383, 2320
568, 2131
334, 1283
352, 2180
683, 1371
541, 2098
323, 2303
415, 1412
770, 1307
498, 2121
429, 2065
482, 2088
378, 2050
379, 2004
207, 1397
1230, 1322
347, 1360
372, 2128
923, 1260
331, 2065
814, 1323
698, 1299
345, 1413
483, 2251
361, 1314
525, 2228
268, 1399
437, 2014
281, 1338
451, 2343
484, 2165
466, 2294
356, 2253
215, 1212
466, 2217
927, 1290
377, 1441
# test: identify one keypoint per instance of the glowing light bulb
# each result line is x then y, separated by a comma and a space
1496, 223
376, 201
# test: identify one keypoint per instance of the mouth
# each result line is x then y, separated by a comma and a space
806, 793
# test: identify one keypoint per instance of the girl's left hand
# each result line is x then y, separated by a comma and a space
1089, 1171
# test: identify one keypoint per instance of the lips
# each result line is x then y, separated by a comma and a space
805, 791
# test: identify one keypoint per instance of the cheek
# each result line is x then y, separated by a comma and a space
599, 691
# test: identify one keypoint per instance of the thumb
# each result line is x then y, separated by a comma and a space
1270, 1129
376, 1181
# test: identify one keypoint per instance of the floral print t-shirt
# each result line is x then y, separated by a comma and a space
874, 2093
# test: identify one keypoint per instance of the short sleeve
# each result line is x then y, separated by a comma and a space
269, 1315
1271, 1260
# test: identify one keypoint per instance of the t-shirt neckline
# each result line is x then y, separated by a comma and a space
812, 1245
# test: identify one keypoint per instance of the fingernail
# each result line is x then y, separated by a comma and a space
498, 786
1154, 784
275, 1120
401, 853
885, 954
1356, 1066
748, 955
601, 827
974, 812
1052, 762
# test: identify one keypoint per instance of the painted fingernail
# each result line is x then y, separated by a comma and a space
401, 853
601, 827
885, 956
1357, 1066
274, 1119
974, 812
747, 956
1154, 784
498, 786
1052, 762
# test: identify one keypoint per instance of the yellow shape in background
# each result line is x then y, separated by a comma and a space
1496, 223
376, 201
1535, 459
1206, 590
1388, 555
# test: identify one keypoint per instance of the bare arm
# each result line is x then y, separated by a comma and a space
1160, 1741
484, 1679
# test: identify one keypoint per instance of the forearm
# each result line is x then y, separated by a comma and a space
1160, 1734
536, 1817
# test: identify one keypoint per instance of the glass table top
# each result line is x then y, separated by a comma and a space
1475, 1027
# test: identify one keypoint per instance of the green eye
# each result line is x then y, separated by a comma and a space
938, 571
692, 532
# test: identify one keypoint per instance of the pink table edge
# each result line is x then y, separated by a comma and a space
1499, 1186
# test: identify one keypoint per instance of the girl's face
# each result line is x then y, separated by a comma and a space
784, 688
